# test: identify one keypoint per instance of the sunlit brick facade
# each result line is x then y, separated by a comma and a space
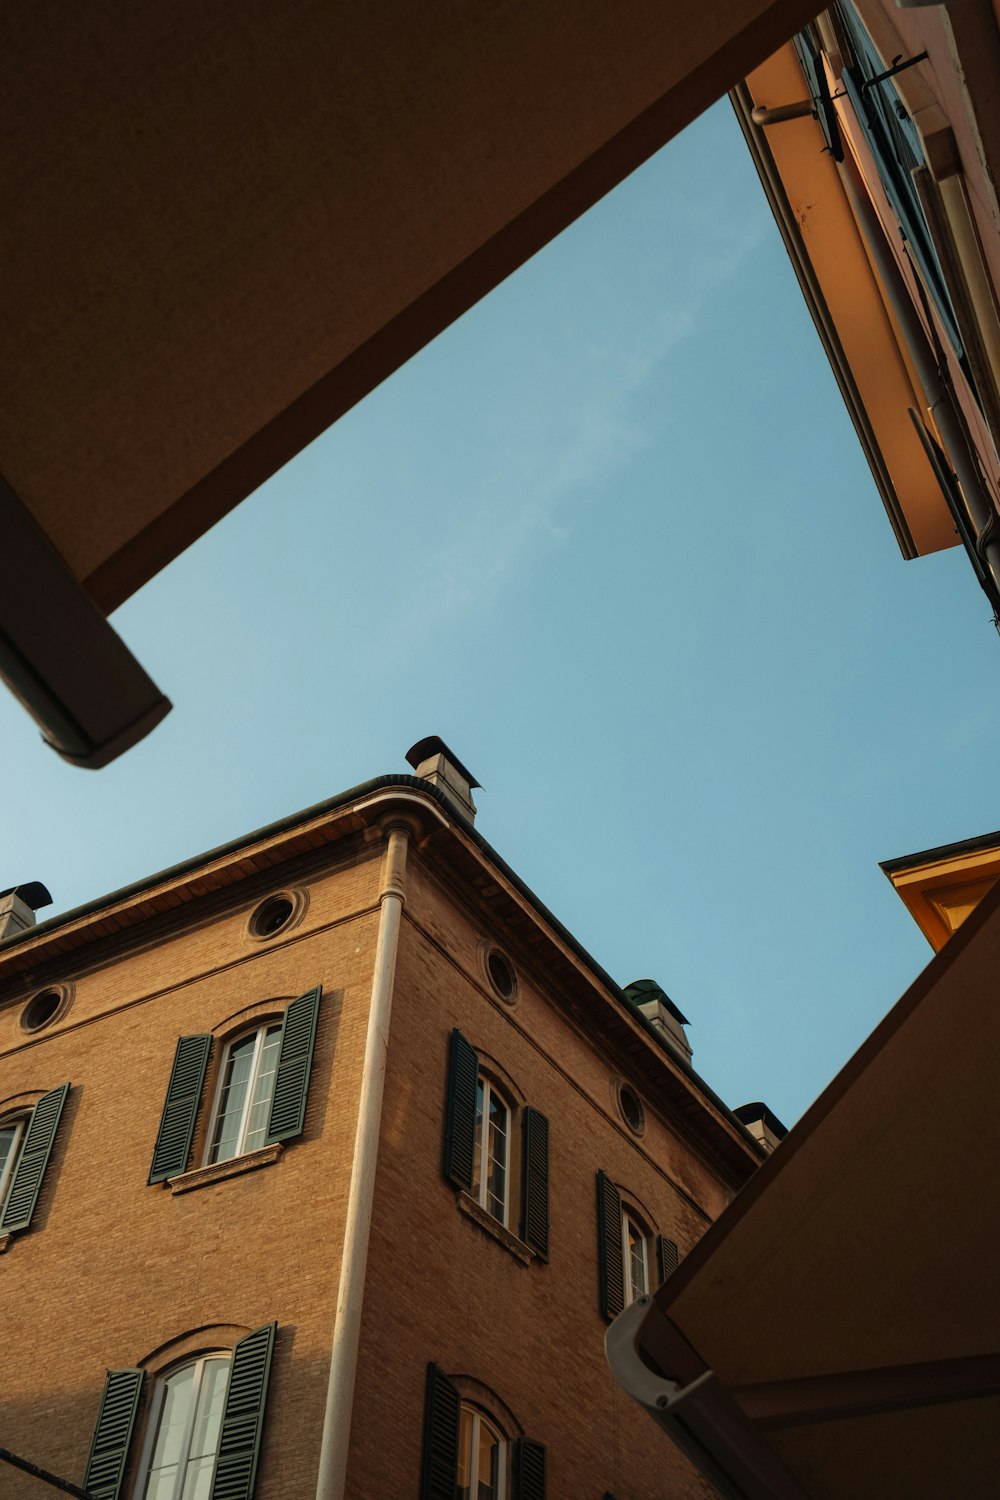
213, 1026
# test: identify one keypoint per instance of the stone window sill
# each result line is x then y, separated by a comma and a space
478, 1215
5, 1241
219, 1170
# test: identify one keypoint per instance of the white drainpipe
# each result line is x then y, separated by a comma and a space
347, 1329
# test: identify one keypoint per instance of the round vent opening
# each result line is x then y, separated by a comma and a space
271, 916
501, 972
41, 1009
632, 1111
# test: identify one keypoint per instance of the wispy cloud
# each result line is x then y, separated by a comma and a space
574, 423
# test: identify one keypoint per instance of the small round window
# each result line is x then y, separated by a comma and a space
42, 1009
632, 1111
501, 972
271, 916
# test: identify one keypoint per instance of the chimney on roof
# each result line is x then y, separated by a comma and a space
661, 1013
764, 1126
434, 762
18, 905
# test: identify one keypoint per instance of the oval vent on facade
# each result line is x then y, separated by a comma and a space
274, 915
42, 1009
501, 974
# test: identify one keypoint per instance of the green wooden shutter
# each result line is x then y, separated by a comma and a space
667, 1257
535, 1185
291, 1083
440, 1459
180, 1111
460, 1118
529, 1470
39, 1139
113, 1434
609, 1247
243, 1416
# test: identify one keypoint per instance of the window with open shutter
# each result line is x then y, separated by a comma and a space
611, 1268
535, 1186
34, 1148
291, 1084
666, 1256
440, 1455
172, 1151
113, 1434
529, 1470
460, 1115
243, 1416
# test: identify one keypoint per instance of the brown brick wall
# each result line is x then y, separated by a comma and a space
112, 1268
441, 1288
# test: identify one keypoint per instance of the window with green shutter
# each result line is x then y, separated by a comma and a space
481, 1126
260, 1094
204, 1427
29, 1144
610, 1262
468, 1456
113, 1434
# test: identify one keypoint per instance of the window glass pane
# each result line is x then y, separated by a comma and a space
225, 1142
263, 1090
464, 1480
636, 1259
477, 1160
187, 1434
496, 1185
488, 1467
171, 1434
10, 1140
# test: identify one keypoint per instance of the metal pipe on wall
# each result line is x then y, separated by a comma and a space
336, 1439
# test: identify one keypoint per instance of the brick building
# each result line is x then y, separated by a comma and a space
252, 1238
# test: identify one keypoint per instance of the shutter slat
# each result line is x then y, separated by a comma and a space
609, 1247
535, 1214
460, 1119
180, 1111
113, 1434
291, 1083
529, 1470
26, 1184
666, 1255
440, 1457
243, 1416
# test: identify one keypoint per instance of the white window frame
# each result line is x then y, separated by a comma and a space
220, 1083
20, 1123
200, 1363
480, 1190
631, 1220
479, 1418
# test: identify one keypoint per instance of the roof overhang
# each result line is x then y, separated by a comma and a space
848, 304
148, 911
941, 887
836, 1331
222, 235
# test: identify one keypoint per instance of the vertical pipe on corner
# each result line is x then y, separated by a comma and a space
336, 1437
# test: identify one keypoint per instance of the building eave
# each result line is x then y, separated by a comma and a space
122, 915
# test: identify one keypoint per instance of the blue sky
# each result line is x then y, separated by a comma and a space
613, 537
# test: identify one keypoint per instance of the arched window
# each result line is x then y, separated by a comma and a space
496, 1151
482, 1457
490, 1172
470, 1451
633, 1259
243, 1101
186, 1421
